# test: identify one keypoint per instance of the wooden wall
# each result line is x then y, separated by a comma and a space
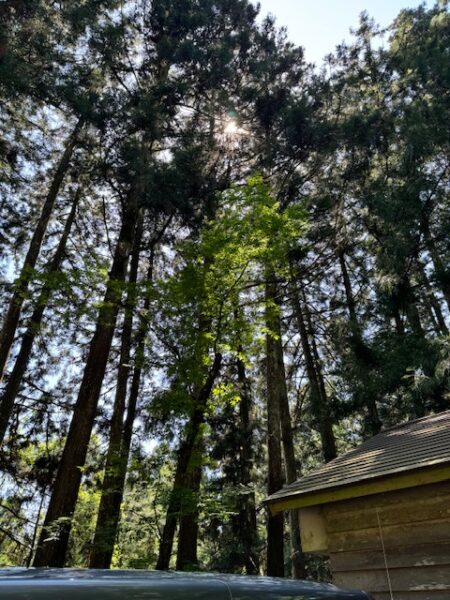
415, 527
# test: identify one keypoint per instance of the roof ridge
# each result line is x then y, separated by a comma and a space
420, 444
400, 425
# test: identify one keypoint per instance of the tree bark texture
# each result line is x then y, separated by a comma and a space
184, 461
23, 358
274, 384
441, 273
246, 519
188, 529
318, 395
52, 549
21, 286
112, 486
361, 352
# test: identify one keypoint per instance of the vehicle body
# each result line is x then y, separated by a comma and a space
79, 584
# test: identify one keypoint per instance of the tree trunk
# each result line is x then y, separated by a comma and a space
112, 510
441, 273
399, 326
21, 285
297, 557
318, 393
351, 304
246, 520
52, 551
329, 441
188, 530
441, 325
184, 457
275, 480
411, 310
361, 351
112, 488
15, 378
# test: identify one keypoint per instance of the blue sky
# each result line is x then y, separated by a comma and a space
319, 25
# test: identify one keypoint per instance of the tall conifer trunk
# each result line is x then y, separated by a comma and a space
361, 350
20, 366
298, 563
246, 519
274, 387
435, 307
411, 310
326, 427
22, 284
318, 396
52, 549
441, 273
106, 527
184, 461
189, 512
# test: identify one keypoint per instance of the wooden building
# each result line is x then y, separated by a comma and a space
381, 512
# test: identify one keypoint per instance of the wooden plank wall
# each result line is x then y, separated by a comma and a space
415, 526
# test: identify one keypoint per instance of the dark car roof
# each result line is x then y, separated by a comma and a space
69, 584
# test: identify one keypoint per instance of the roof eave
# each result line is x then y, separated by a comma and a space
390, 483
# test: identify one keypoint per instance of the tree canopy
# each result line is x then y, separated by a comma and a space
220, 267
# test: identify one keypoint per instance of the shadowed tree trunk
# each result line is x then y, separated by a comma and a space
298, 562
52, 549
21, 286
106, 527
441, 273
184, 458
361, 351
246, 519
399, 325
112, 490
188, 529
20, 366
297, 557
411, 309
318, 396
274, 387
435, 307
326, 426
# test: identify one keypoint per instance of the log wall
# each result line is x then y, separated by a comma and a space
413, 525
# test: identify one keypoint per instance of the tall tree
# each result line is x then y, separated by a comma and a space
23, 357
21, 286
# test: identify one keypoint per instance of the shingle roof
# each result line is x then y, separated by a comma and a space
413, 445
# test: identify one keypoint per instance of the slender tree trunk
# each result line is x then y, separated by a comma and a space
399, 325
275, 480
329, 449
246, 520
184, 457
440, 271
52, 549
360, 348
351, 304
35, 530
21, 286
112, 510
441, 325
411, 310
188, 530
113, 502
319, 401
15, 378
111, 491
298, 562
297, 556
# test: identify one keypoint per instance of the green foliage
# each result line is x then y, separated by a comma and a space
332, 186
